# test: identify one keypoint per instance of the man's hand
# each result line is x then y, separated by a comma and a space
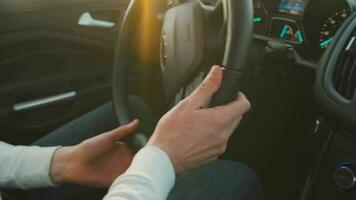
96, 162
192, 134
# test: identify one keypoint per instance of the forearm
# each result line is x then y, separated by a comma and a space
25, 167
150, 176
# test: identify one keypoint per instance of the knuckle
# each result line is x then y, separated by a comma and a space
213, 79
183, 103
222, 141
209, 84
246, 103
223, 149
205, 86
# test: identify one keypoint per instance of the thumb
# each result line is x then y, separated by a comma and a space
124, 130
202, 95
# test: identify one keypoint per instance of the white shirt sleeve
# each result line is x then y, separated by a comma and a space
151, 176
25, 167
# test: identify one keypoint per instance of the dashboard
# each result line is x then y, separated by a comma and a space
308, 25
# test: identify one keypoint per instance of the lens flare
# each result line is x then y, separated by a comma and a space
149, 31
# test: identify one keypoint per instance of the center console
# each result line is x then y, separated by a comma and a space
336, 175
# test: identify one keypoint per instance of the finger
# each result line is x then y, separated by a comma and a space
237, 122
239, 107
123, 147
124, 130
234, 109
233, 126
202, 95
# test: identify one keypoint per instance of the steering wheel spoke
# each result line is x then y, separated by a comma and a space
182, 45
186, 90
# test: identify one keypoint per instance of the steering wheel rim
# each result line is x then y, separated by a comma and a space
238, 18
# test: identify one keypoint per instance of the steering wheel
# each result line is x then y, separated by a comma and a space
336, 76
190, 38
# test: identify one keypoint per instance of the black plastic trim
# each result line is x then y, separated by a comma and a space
331, 102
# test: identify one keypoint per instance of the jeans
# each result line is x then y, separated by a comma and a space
218, 180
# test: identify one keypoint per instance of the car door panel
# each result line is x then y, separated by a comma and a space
45, 53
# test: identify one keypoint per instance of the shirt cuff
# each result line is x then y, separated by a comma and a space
38, 162
154, 163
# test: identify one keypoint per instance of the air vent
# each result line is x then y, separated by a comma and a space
345, 71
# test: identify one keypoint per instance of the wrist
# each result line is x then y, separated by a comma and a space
168, 152
60, 164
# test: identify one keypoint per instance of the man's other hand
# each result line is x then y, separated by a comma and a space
192, 134
96, 162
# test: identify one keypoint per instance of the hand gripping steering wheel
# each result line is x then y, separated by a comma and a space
183, 40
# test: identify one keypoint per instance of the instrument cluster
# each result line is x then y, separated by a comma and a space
308, 25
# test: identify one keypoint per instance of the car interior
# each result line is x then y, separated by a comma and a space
294, 59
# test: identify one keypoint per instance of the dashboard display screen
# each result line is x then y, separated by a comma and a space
292, 7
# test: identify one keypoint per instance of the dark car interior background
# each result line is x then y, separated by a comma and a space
56, 60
